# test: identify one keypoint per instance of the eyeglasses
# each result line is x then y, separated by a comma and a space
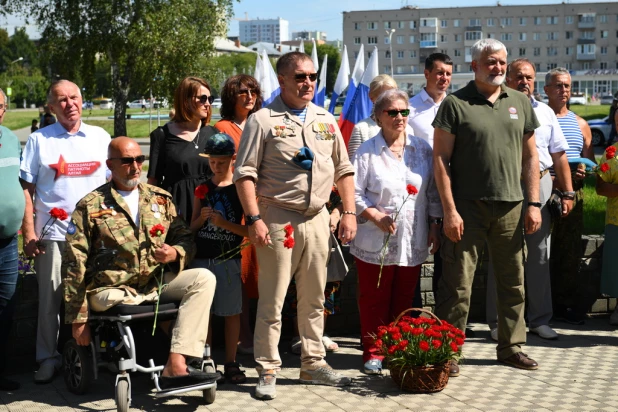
203, 99
2, 107
129, 160
246, 92
394, 113
300, 77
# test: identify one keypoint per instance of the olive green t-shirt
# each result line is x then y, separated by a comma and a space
13, 201
486, 159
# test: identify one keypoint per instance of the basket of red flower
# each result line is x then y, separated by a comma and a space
418, 350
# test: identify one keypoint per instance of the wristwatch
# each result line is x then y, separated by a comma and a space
249, 220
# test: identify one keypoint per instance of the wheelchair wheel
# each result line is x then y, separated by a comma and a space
209, 394
122, 396
77, 365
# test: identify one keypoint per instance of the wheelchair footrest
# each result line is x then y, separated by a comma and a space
176, 391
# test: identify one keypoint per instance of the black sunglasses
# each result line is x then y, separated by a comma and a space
245, 92
203, 99
394, 113
129, 160
300, 77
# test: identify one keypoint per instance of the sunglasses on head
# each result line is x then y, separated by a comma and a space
203, 99
129, 160
245, 92
300, 77
394, 113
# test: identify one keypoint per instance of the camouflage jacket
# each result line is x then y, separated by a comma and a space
105, 249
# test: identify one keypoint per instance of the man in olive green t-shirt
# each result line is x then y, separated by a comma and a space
483, 138
11, 215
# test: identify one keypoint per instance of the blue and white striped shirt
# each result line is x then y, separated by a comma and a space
302, 113
573, 134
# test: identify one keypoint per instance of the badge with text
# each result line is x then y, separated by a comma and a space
74, 169
513, 113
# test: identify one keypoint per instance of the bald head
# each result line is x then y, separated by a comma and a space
65, 100
124, 159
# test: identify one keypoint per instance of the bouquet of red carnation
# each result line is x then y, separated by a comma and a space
412, 345
55, 214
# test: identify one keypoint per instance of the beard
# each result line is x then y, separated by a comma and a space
132, 183
495, 80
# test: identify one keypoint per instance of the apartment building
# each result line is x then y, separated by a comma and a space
267, 30
582, 37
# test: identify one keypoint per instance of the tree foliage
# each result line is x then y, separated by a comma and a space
148, 43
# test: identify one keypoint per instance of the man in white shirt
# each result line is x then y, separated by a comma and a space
551, 146
423, 109
61, 163
424, 105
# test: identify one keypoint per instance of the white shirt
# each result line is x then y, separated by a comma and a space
64, 168
132, 199
422, 112
380, 181
549, 137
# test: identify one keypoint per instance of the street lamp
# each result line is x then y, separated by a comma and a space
9, 82
390, 45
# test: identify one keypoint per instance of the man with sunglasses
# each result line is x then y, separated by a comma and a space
290, 155
106, 263
11, 215
483, 147
61, 163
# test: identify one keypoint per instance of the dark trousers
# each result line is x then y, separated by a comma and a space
8, 281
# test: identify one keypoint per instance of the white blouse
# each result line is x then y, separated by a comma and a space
380, 181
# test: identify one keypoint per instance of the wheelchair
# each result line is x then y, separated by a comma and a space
113, 346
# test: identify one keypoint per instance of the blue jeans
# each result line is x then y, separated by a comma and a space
8, 281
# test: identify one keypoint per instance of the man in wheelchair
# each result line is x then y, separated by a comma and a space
125, 245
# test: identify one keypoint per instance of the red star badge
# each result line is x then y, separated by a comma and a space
74, 169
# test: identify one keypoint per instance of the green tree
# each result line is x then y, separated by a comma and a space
332, 66
143, 40
227, 65
20, 45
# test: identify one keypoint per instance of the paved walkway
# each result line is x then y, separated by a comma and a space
578, 372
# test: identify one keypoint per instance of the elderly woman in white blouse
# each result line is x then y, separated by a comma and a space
388, 167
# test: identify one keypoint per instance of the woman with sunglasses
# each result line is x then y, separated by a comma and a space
399, 211
175, 164
367, 128
240, 97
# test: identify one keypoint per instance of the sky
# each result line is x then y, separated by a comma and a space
322, 15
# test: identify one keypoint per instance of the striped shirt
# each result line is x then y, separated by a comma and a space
301, 113
573, 134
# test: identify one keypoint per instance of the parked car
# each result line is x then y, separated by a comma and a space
216, 103
106, 104
87, 105
577, 98
135, 104
600, 131
607, 99
340, 101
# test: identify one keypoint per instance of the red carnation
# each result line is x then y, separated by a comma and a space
157, 230
417, 331
392, 349
423, 345
58, 213
436, 343
403, 344
201, 191
610, 152
412, 190
459, 341
454, 347
379, 343
417, 321
288, 242
604, 167
450, 335
381, 333
396, 336
289, 230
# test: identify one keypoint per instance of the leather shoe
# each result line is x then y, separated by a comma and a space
520, 360
545, 332
453, 369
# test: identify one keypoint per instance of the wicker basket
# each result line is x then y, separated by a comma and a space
420, 379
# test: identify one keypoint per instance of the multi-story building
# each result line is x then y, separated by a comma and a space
580, 37
309, 35
269, 30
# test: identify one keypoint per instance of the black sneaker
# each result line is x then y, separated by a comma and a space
570, 315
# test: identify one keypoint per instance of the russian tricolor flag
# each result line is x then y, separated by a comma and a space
357, 74
342, 80
360, 104
320, 94
267, 78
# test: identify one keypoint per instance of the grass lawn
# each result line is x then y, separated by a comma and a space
589, 112
18, 119
594, 208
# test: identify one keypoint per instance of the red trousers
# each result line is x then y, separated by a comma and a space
380, 306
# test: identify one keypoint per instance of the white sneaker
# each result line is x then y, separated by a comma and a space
266, 386
494, 334
613, 319
545, 332
323, 375
46, 371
